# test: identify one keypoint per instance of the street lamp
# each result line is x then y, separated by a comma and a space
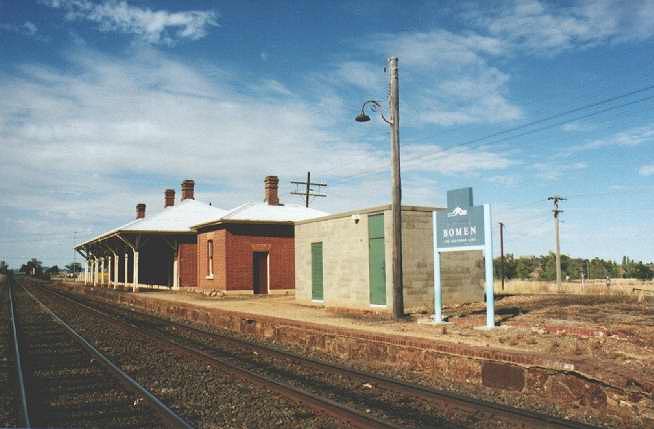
396, 205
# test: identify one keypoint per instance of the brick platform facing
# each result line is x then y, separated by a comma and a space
528, 380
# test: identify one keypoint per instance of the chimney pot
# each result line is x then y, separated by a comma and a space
169, 198
188, 186
271, 187
140, 211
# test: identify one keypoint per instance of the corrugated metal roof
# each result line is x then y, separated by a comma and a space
178, 218
174, 219
263, 212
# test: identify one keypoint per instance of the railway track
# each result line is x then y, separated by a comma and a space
405, 405
338, 414
64, 381
8, 394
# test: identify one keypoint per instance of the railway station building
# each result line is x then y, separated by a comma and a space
251, 249
344, 261
156, 251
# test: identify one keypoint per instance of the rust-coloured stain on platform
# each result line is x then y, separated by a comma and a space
502, 376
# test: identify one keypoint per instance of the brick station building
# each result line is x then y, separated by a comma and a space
251, 248
151, 251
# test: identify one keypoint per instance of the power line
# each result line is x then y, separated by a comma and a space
561, 114
473, 141
308, 191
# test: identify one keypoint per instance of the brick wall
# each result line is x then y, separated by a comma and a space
244, 240
219, 280
187, 256
233, 248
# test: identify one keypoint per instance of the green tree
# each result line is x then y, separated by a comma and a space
74, 267
33, 267
53, 270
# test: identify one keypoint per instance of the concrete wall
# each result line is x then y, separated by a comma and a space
345, 263
462, 277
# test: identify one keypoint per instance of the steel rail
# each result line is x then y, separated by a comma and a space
24, 416
169, 417
317, 403
447, 400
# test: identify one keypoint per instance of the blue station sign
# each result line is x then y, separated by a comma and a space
462, 225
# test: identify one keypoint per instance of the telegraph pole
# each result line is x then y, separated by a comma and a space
502, 252
308, 192
396, 207
555, 200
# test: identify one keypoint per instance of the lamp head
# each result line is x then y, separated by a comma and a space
362, 117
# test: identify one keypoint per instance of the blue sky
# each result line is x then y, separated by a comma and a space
105, 104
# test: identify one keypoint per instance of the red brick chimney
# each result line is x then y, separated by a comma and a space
272, 197
187, 189
169, 198
140, 211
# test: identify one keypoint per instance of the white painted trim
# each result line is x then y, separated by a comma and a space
268, 272
378, 305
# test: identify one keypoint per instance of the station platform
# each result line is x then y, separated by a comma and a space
587, 358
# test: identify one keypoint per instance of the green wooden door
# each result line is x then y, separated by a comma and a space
316, 272
377, 259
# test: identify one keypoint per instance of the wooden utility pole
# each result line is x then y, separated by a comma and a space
555, 199
308, 191
396, 206
502, 253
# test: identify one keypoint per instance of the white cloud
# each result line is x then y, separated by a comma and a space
503, 180
555, 171
629, 138
573, 127
439, 48
457, 84
646, 170
539, 27
28, 28
158, 26
476, 98
84, 142
273, 87
363, 75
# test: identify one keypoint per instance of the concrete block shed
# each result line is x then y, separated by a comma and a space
344, 261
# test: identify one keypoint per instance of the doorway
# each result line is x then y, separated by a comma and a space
260, 272
377, 259
317, 292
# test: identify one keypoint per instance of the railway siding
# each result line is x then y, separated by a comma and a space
8, 405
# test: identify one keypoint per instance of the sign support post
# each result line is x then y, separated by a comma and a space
488, 257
